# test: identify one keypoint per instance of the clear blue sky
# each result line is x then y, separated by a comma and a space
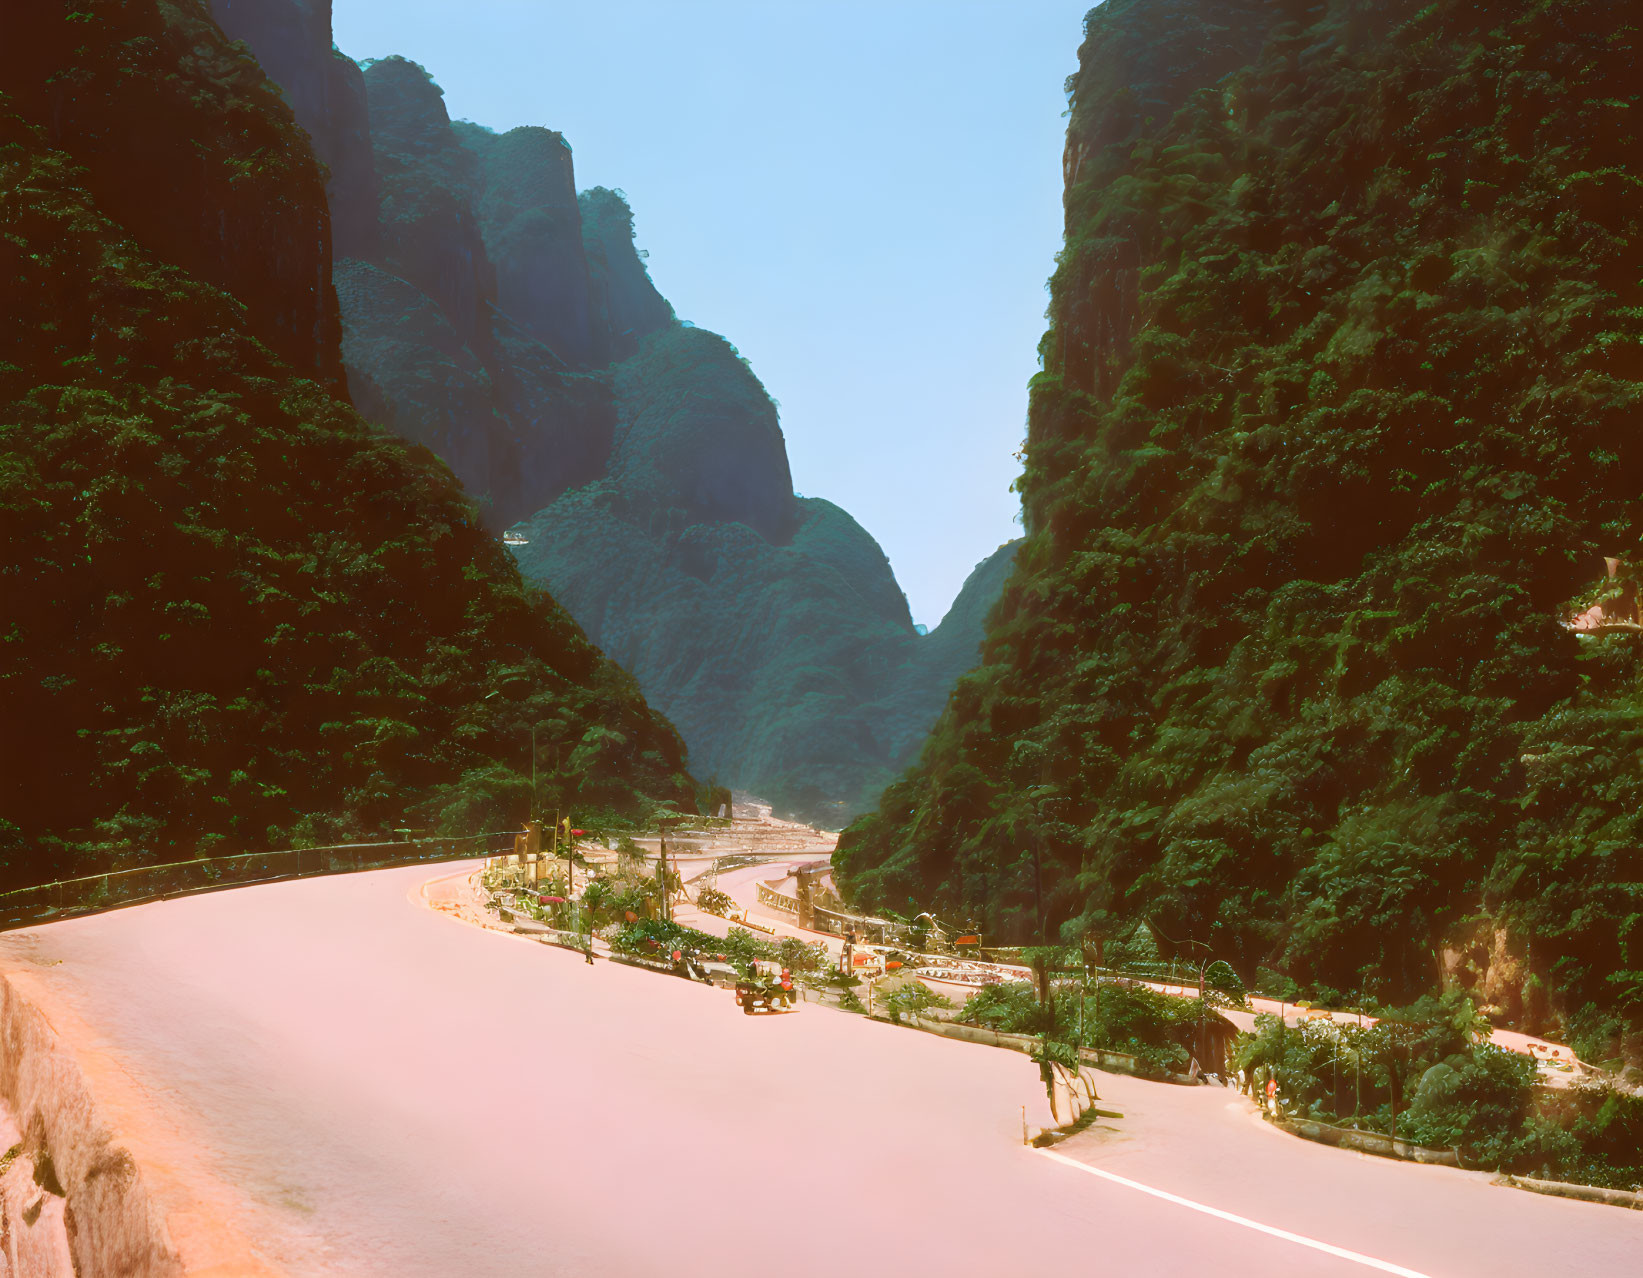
865, 197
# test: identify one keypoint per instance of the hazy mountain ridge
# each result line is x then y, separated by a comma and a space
772, 660
237, 614
509, 323
1334, 423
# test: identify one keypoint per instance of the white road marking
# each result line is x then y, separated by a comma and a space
1385, 1266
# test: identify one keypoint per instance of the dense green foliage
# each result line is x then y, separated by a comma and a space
1334, 421
909, 997
181, 139
233, 612
1430, 1072
740, 948
1156, 1029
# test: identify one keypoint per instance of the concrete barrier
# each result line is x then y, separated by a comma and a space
1377, 1143
664, 966
1027, 1044
1564, 1189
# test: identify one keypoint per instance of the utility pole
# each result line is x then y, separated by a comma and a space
1392, 1087
570, 865
1357, 1057
1081, 987
661, 873
1283, 1005
662, 825
1202, 963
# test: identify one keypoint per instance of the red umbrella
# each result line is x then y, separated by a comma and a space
578, 833
550, 900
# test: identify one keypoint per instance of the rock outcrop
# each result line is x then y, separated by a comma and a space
626, 305
326, 92
533, 232
427, 182
697, 437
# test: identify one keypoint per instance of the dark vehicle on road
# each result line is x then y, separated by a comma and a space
769, 992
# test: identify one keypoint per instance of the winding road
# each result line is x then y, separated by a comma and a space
366, 1085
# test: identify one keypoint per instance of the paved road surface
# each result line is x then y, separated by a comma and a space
395, 1092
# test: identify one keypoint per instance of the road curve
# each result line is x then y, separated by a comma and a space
387, 1090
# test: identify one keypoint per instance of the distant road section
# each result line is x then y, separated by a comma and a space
371, 1087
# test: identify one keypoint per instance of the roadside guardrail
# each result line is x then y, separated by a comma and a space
137, 884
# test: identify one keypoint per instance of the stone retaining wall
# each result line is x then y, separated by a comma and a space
111, 1222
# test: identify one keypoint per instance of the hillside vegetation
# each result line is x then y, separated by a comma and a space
232, 613
1336, 420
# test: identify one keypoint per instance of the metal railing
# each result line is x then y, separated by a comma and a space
134, 885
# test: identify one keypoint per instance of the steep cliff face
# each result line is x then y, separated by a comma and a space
1333, 423
911, 698
106, 87
697, 436
533, 231
427, 181
626, 304
827, 534
410, 370
326, 92
234, 612
507, 400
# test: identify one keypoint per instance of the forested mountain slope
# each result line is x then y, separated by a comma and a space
232, 613
509, 323
778, 661
1336, 420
